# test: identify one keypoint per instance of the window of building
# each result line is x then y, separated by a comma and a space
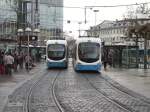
113, 31
117, 31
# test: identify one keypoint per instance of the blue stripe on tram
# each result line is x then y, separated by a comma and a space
88, 67
56, 64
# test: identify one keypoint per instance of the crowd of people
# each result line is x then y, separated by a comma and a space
13, 61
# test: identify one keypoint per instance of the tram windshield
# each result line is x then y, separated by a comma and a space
89, 52
56, 51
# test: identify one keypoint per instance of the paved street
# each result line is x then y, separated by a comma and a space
137, 80
9, 83
91, 92
43, 90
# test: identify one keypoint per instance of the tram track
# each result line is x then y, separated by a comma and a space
121, 90
54, 95
118, 96
28, 101
76, 94
126, 109
26, 107
39, 95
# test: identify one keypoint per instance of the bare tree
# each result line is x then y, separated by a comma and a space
139, 30
134, 11
143, 9
130, 12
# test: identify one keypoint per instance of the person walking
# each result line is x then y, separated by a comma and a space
28, 62
110, 57
20, 60
2, 68
105, 58
8, 60
15, 64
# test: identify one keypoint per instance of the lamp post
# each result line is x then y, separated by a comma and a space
28, 31
19, 32
36, 31
95, 15
79, 28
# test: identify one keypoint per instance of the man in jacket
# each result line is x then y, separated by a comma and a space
8, 60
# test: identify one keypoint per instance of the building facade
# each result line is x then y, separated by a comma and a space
116, 32
51, 19
7, 24
46, 15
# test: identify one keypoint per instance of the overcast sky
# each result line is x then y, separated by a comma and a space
77, 14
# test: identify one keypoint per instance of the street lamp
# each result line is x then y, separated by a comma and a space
36, 30
95, 15
28, 31
79, 28
19, 31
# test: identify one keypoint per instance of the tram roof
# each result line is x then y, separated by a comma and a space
56, 41
87, 39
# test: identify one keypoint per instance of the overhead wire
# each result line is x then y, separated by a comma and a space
120, 5
104, 6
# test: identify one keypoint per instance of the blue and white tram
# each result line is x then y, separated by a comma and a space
56, 53
87, 54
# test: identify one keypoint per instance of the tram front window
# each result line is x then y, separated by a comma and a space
89, 52
56, 51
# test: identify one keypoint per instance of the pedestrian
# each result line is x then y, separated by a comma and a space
8, 60
20, 60
28, 62
105, 58
15, 64
110, 57
2, 68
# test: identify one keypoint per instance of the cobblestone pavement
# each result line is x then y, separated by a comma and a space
76, 95
16, 100
37, 92
41, 98
11, 83
87, 92
137, 80
132, 102
76, 92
